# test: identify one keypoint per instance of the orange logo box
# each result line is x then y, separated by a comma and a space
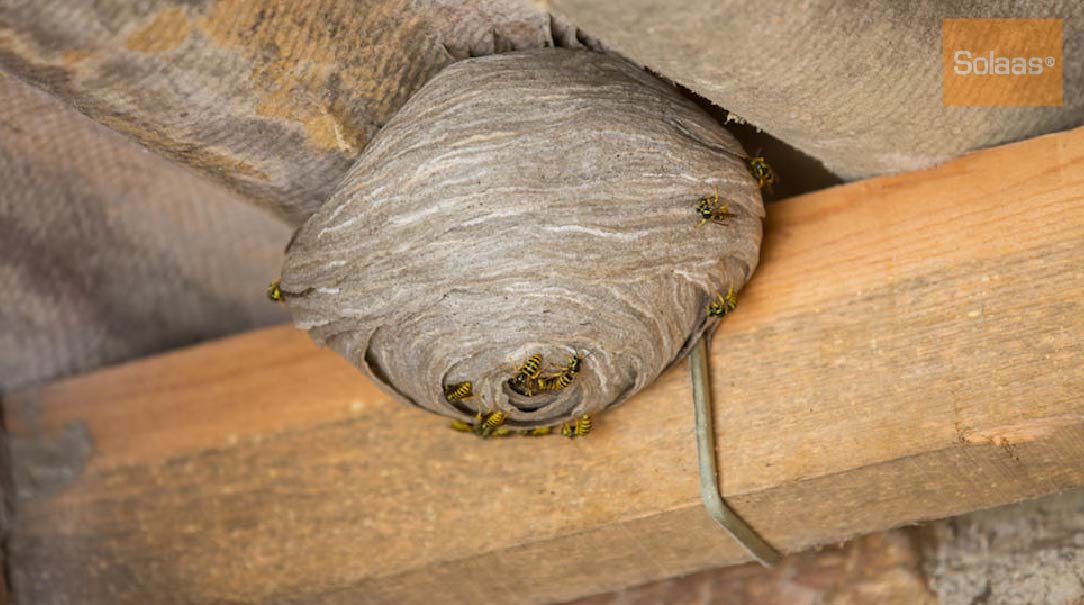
1001, 62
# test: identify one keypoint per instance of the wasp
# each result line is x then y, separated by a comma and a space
578, 428
758, 167
484, 426
525, 374
274, 292
723, 304
762, 172
462, 427
489, 426
538, 431
562, 379
709, 209
458, 391
553, 382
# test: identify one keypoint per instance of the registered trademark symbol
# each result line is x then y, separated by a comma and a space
1050, 61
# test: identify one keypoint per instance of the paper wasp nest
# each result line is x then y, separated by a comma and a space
536, 202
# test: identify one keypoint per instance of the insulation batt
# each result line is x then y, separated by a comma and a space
529, 202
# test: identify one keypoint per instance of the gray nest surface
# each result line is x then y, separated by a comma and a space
535, 202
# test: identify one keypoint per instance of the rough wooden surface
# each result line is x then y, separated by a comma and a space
275, 98
879, 569
909, 349
108, 252
1016, 555
856, 85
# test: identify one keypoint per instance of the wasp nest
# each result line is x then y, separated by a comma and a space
543, 202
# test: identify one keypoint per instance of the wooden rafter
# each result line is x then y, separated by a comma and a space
909, 349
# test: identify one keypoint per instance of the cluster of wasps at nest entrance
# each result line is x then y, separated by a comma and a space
528, 379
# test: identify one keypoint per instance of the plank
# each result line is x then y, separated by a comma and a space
273, 98
769, 66
909, 349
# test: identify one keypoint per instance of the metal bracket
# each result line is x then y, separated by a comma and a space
709, 475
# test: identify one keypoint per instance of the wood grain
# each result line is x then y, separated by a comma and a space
767, 63
909, 349
273, 98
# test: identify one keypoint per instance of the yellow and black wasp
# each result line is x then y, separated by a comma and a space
523, 376
488, 425
562, 379
492, 421
578, 428
722, 305
709, 209
274, 292
762, 172
459, 391
759, 168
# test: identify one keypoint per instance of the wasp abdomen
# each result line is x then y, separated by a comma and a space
578, 428
459, 391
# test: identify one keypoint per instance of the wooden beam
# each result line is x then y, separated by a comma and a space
909, 349
273, 98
